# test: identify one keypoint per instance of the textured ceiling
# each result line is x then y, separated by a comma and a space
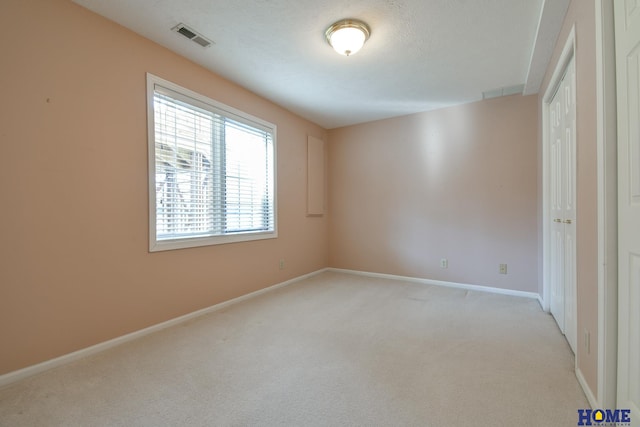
422, 54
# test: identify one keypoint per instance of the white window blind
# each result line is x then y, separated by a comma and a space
213, 179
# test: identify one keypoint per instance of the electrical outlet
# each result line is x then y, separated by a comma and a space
503, 268
281, 264
444, 263
587, 341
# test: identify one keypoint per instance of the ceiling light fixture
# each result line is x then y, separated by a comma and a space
347, 36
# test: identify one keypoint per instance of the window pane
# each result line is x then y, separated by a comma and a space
213, 173
183, 169
247, 180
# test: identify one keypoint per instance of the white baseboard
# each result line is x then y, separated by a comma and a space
587, 390
442, 283
29, 371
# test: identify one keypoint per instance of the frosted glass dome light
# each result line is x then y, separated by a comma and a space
347, 36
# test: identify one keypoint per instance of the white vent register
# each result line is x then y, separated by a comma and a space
192, 35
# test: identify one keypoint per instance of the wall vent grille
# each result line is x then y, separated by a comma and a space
503, 91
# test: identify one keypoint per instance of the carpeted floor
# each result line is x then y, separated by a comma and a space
332, 350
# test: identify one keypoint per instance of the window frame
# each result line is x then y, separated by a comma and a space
200, 101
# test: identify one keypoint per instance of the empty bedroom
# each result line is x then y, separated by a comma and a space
318, 213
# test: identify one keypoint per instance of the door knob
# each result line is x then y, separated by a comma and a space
567, 221
557, 220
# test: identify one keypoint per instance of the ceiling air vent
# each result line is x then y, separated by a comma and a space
503, 91
192, 35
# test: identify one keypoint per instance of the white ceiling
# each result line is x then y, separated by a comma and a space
422, 54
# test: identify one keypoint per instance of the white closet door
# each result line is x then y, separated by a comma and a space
557, 226
627, 35
569, 204
562, 139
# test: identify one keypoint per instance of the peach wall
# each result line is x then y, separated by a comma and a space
458, 183
581, 13
74, 263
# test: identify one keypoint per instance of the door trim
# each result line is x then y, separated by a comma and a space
606, 141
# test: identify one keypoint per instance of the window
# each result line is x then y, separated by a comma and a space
211, 171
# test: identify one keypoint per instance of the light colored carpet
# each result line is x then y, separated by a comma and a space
332, 350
